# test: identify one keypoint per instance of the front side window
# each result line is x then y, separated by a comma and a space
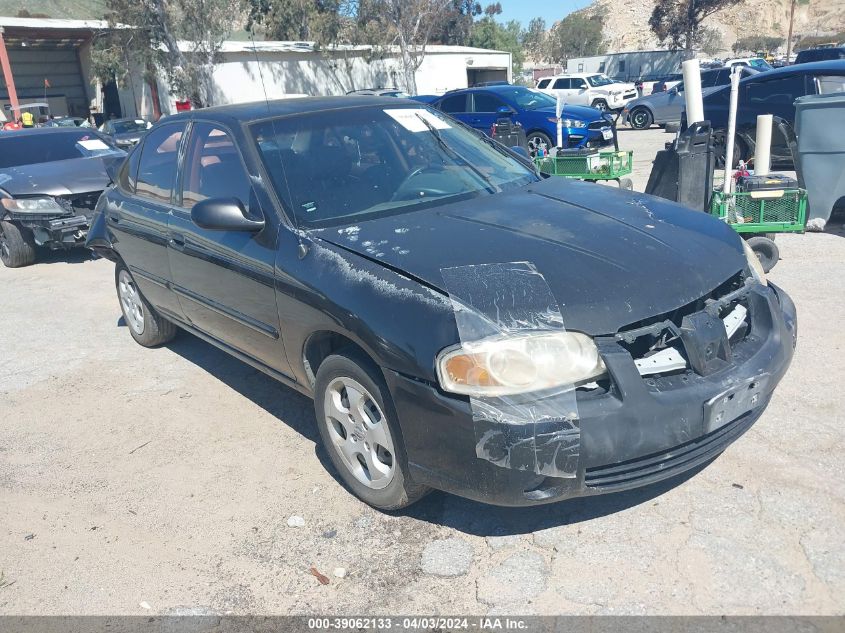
782, 92
831, 83
157, 167
371, 162
213, 167
485, 102
578, 84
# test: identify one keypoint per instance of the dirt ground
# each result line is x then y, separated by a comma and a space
136, 481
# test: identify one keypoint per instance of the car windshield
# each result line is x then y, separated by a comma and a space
759, 64
20, 149
333, 168
526, 98
599, 80
124, 127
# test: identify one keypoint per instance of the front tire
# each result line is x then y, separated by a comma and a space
600, 104
640, 118
146, 326
17, 245
535, 140
358, 426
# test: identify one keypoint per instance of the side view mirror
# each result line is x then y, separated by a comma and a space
224, 214
519, 149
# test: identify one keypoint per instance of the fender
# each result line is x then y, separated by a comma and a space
100, 238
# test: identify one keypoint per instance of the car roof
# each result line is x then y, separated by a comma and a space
37, 131
258, 110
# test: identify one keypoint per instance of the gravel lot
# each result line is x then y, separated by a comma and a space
137, 481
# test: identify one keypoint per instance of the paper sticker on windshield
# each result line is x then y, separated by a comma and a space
93, 145
412, 119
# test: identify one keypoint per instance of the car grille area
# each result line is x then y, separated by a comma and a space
80, 203
665, 464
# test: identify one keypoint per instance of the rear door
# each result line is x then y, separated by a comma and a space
457, 106
138, 217
225, 279
772, 96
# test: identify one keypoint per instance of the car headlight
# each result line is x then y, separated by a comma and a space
515, 364
32, 205
570, 122
754, 264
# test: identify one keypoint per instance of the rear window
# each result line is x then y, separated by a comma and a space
21, 148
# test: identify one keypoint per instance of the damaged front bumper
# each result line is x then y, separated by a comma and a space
640, 430
49, 231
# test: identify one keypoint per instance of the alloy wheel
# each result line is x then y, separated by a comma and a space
359, 432
130, 301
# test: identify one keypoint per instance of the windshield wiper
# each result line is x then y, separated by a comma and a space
454, 153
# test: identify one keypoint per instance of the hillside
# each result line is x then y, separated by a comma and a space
626, 23
70, 9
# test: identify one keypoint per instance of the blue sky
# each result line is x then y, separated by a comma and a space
524, 10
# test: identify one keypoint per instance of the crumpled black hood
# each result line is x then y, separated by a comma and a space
59, 178
610, 257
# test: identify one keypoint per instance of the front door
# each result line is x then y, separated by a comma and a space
225, 279
485, 111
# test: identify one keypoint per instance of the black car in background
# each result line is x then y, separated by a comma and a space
772, 92
820, 54
50, 180
126, 132
462, 322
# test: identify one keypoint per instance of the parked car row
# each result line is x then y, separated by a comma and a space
534, 110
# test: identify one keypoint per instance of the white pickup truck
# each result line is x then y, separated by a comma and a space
592, 89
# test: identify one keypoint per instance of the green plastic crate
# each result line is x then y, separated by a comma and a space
762, 211
608, 165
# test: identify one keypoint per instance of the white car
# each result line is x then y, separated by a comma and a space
757, 63
591, 89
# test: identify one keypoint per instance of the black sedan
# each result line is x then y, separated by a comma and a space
772, 92
462, 322
50, 180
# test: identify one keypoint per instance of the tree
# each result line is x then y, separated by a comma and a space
490, 34
710, 40
534, 39
148, 32
455, 26
406, 24
678, 22
324, 22
755, 43
576, 35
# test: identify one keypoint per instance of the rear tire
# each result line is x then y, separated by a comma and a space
146, 326
766, 250
363, 441
17, 245
720, 147
640, 118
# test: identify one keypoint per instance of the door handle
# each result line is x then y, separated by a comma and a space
177, 241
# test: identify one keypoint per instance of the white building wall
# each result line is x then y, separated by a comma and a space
238, 76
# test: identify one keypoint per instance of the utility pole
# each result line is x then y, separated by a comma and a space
7, 76
789, 37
